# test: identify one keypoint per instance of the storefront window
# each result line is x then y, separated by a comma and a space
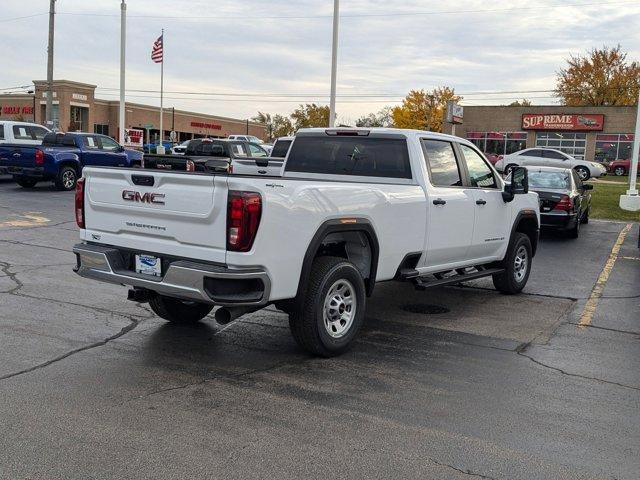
498, 143
574, 144
611, 147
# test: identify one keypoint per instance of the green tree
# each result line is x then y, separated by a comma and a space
381, 119
520, 103
310, 115
267, 121
282, 126
422, 110
603, 77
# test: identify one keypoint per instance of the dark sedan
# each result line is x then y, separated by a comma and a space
565, 201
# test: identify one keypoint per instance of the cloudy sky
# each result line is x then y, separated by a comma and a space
271, 55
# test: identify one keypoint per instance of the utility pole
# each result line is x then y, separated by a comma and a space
49, 108
334, 63
123, 45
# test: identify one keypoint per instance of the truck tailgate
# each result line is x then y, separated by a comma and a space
157, 212
17, 156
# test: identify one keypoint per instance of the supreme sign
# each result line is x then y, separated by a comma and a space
571, 121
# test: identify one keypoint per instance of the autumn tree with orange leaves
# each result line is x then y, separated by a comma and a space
603, 77
422, 110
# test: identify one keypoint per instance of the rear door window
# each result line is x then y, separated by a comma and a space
533, 153
480, 175
554, 155
22, 132
442, 164
90, 143
361, 156
281, 148
1, 132
238, 150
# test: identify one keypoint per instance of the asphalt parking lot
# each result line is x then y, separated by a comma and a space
545, 384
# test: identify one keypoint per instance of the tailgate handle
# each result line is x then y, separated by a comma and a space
143, 180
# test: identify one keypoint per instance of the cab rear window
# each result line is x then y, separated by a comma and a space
357, 156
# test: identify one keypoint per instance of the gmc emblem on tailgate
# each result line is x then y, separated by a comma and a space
131, 196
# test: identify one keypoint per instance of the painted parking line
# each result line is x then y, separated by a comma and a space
630, 258
592, 303
27, 219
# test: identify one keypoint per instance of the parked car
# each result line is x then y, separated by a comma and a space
61, 158
353, 207
216, 155
565, 202
252, 139
549, 157
180, 148
620, 167
22, 133
281, 147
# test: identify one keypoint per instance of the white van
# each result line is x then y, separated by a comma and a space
22, 133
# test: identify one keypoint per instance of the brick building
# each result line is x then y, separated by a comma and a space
75, 108
590, 133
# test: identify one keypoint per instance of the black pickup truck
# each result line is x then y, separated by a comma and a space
217, 155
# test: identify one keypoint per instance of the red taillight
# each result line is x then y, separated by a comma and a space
39, 157
80, 202
565, 204
191, 167
243, 217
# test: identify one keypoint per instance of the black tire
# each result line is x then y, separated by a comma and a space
619, 171
508, 282
583, 173
179, 311
307, 320
26, 182
585, 216
575, 231
66, 179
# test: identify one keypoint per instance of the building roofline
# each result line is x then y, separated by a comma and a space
66, 82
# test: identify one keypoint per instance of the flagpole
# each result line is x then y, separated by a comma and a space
161, 94
123, 40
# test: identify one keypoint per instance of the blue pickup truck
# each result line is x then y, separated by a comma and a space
61, 158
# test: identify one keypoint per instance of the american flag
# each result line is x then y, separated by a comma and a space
156, 52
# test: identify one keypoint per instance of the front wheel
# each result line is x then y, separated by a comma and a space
517, 265
179, 311
66, 178
619, 171
25, 182
332, 309
583, 173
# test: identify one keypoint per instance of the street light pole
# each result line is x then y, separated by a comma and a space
631, 201
334, 63
123, 45
49, 107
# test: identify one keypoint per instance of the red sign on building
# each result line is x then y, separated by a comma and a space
563, 121
209, 126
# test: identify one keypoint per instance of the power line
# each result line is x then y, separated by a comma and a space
351, 15
23, 17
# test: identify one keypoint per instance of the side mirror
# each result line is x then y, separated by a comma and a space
587, 186
120, 149
519, 184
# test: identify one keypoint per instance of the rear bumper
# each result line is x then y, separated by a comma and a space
36, 172
184, 279
559, 220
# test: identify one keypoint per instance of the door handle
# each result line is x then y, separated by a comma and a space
16, 154
439, 201
481, 202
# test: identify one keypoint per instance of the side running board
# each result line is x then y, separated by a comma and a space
438, 280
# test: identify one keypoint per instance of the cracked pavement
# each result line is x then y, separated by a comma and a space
497, 387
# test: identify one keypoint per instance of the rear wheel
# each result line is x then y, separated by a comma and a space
517, 265
619, 171
583, 173
25, 182
66, 178
332, 309
575, 231
179, 311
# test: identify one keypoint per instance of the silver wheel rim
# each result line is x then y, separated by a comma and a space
619, 171
68, 179
339, 308
520, 264
582, 173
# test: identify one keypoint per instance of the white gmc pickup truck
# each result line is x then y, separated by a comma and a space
351, 208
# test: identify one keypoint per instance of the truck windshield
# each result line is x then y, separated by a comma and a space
363, 156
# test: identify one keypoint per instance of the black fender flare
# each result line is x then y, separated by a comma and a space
526, 214
350, 224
